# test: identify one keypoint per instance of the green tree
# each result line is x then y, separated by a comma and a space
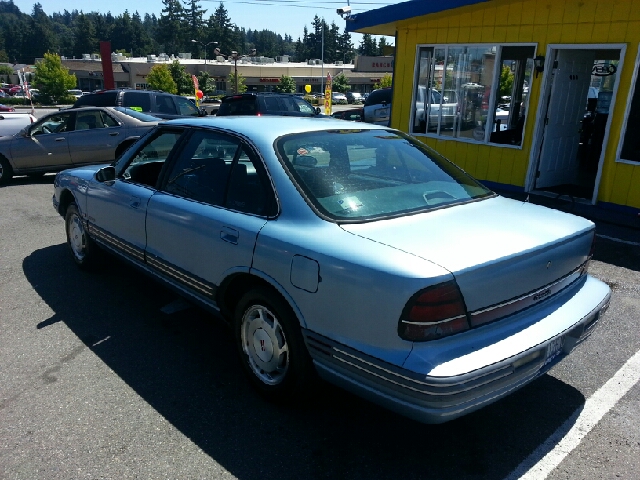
286, 85
181, 78
86, 40
6, 70
171, 26
206, 83
160, 78
340, 83
53, 79
384, 82
368, 46
194, 24
231, 83
506, 81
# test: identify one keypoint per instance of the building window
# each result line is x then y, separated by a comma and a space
630, 139
477, 93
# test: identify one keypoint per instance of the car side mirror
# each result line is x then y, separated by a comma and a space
106, 174
202, 112
317, 110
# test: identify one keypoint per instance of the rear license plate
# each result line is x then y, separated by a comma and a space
554, 349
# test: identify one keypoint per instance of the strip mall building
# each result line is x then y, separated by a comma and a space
534, 95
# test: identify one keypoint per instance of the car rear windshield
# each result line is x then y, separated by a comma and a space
143, 117
379, 96
360, 174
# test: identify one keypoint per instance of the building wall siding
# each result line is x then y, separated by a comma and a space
531, 21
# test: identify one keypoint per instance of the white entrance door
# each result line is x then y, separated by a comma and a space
558, 159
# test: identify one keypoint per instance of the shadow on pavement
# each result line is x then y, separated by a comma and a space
184, 365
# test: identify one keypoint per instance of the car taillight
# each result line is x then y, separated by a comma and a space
432, 313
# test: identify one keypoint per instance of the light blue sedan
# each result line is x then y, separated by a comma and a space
350, 251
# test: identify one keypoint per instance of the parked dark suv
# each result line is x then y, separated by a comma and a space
156, 103
285, 104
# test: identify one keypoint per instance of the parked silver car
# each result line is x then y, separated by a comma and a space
350, 249
72, 137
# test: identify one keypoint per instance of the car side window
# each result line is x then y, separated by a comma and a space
303, 106
146, 164
108, 120
186, 107
58, 123
140, 101
272, 104
89, 120
218, 170
164, 104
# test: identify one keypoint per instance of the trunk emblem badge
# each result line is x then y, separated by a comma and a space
548, 265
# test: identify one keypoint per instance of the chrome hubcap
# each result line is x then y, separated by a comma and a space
265, 345
77, 237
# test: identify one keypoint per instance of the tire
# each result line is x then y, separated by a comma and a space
83, 250
271, 347
6, 171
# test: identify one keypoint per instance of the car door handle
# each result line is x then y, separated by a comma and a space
113, 134
229, 235
60, 139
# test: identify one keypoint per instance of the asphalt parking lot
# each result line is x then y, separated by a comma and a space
96, 381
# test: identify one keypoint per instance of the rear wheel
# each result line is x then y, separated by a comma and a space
85, 253
6, 171
271, 346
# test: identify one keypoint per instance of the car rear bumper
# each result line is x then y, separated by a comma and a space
432, 398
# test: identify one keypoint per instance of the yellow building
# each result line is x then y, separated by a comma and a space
533, 95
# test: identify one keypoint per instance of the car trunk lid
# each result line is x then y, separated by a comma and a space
499, 250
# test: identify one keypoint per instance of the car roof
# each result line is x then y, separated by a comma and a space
270, 127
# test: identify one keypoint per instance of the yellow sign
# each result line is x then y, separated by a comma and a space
327, 96
307, 88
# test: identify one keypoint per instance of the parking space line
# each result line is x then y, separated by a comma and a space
569, 435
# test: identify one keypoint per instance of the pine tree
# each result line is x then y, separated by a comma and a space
170, 26
85, 32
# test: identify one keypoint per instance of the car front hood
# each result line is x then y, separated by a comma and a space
498, 249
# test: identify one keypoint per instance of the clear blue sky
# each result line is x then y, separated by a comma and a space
280, 16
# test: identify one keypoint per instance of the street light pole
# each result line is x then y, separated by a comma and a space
234, 55
322, 60
204, 46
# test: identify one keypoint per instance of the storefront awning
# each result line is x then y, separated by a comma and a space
383, 21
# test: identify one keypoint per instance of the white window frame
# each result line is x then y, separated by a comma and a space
492, 98
627, 110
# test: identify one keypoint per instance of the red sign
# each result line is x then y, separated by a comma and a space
269, 80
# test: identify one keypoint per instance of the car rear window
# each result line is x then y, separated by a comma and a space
106, 99
379, 96
143, 117
137, 101
360, 174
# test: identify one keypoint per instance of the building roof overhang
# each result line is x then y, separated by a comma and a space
384, 21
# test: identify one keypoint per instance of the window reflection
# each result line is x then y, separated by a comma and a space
457, 95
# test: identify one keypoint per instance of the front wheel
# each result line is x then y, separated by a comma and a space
271, 346
85, 253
